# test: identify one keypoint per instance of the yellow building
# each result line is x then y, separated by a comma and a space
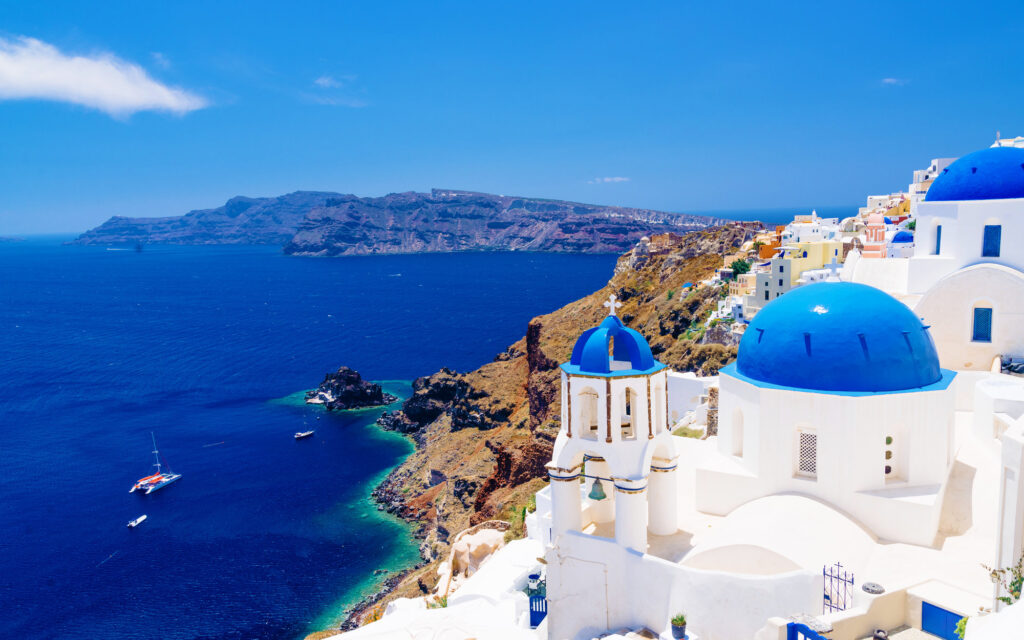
743, 285
805, 256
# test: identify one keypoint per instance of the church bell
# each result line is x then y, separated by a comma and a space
597, 491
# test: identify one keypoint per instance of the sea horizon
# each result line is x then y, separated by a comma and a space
207, 347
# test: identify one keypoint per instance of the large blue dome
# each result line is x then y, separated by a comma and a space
838, 336
997, 172
628, 347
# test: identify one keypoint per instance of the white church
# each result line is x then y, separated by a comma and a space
868, 462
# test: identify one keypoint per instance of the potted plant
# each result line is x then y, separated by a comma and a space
679, 626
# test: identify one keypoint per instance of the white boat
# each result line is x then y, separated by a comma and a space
158, 480
303, 434
137, 521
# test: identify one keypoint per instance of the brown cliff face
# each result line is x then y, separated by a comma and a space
447, 220
334, 224
489, 433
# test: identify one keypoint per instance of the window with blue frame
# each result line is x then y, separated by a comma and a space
990, 243
938, 239
982, 331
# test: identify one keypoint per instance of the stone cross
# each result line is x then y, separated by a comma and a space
612, 304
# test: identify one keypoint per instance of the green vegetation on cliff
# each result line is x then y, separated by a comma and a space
483, 438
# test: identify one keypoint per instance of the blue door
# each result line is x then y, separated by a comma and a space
939, 622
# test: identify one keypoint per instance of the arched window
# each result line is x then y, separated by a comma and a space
658, 409
588, 413
628, 415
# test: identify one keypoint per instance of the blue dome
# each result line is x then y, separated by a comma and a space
997, 172
838, 336
590, 354
903, 236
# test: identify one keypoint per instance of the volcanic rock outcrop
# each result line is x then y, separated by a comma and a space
346, 389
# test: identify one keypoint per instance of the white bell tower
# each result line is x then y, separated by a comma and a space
613, 468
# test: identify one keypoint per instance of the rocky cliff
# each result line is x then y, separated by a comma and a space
240, 221
482, 438
333, 224
445, 220
346, 389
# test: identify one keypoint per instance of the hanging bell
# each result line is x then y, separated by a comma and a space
597, 491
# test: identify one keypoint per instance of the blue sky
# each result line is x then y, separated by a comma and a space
150, 109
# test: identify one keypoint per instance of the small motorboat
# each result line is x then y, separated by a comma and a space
137, 521
303, 434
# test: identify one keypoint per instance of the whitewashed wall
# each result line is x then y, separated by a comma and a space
948, 307
588, 575
851, 444
962, 231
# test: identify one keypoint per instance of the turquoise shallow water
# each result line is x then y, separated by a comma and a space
263, 537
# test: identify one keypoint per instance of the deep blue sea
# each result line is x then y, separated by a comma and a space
264, 536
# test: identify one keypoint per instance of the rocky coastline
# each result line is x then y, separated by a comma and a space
482, 438
345, 389
312, 223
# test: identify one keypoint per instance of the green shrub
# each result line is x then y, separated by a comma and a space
739, 266
1011, 579
679, 619
686, 432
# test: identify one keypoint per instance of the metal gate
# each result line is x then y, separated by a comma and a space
838, 588
538, 610
797, 631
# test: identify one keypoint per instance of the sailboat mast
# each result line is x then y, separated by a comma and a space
156, 454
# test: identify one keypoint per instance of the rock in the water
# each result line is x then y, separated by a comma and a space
346, 389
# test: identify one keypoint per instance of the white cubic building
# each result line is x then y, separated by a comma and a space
968, 264
837, 393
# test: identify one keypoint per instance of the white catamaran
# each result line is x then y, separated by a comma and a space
158, 480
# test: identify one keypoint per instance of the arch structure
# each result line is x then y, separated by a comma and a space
975, 315
614, 432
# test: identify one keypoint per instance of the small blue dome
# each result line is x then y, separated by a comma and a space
903, 236
590, 354
838, 336
997, 172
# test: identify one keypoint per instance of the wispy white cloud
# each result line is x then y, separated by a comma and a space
32, 69
894, 82
326, 82
337, 91
607, 180
338, 101
161, 60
